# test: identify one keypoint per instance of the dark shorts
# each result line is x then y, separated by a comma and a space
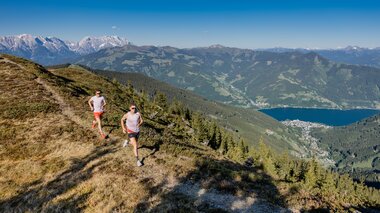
134, 135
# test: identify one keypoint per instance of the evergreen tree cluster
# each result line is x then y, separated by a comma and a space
199, 128
309, 177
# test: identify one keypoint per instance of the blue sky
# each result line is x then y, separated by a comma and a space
184, 23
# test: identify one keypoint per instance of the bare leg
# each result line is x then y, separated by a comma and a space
99, 125
134, 143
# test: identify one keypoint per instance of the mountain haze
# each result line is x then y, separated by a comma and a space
248, 78
349, 55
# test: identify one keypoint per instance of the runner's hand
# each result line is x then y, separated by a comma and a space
124, 131
92, 108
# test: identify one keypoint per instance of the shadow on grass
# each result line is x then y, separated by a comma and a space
217, 186
112, 127
35, 197
153, 148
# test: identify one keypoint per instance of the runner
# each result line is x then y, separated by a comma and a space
131, 123
97, 104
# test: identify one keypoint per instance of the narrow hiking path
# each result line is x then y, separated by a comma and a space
66, 109
70, 113
63, 105
232, 203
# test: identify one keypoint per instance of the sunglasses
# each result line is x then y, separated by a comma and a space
133, 108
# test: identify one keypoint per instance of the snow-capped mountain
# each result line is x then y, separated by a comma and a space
37, 48
52, 50
92, 44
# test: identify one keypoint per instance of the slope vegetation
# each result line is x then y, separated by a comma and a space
51, 160
249, 123
355, 148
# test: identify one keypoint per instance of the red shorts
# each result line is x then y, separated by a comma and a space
98, 115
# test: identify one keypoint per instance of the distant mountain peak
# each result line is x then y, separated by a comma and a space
353, 48
91, 44
216, 46
51, 50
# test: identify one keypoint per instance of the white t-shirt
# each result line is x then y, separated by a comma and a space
132, 121
98, 103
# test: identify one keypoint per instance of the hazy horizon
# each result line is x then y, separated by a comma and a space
186, 24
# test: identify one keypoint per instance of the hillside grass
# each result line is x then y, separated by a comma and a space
53, 161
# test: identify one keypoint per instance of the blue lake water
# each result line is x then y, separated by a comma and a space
331, 117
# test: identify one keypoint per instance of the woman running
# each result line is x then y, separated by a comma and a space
131, 123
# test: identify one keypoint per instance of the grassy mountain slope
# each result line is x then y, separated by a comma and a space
249, 78
355, 148
250, 124
51, 159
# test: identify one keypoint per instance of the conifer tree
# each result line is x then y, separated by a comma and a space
160, 99
311, 175
242, 152
266, 158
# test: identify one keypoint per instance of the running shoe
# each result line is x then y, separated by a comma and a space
126, 142
103, 136
139, 163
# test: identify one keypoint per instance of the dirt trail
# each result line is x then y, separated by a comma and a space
227, 202
66, 109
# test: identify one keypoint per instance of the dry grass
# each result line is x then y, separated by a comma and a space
51, 162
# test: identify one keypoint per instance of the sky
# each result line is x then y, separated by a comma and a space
183, 23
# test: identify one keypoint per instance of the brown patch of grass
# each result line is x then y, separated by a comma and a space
26, 110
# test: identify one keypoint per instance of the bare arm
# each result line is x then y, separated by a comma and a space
90, 103
141, 121
104, 102
123, 122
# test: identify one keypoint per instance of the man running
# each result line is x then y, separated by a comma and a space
131, 123
97, 104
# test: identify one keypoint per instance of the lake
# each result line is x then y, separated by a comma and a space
331, 117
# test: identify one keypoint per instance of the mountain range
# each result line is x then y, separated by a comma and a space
350, 54
52, 50
277, 77
249, 78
